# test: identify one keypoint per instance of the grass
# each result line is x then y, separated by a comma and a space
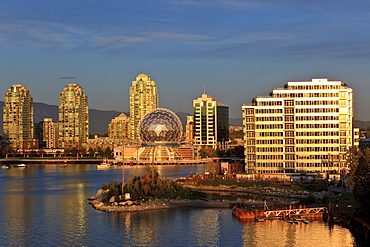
344, 199
246, 184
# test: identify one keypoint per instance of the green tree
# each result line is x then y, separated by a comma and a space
359, 164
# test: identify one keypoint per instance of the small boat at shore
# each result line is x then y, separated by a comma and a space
104, 165
20, 165
5, 166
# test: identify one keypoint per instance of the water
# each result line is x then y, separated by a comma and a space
46, 205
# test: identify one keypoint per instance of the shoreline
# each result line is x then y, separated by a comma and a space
158, 204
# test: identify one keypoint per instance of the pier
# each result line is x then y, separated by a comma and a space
296, 212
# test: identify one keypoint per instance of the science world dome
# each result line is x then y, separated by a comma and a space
160, 126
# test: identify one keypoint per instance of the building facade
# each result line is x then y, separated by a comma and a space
189, 129
73, 117
211, 122
143, 99
304, 127
18, 118
119, 127
50, 133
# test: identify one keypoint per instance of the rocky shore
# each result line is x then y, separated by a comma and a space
119, 205
130, 206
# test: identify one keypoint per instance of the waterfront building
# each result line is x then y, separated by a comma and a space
119, 127
50, 133
143, 99
160, 133
18, 118
73, 117
189, 131
211, 122
100, 144
304, 127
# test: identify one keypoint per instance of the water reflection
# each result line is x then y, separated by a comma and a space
46, 205
281, 233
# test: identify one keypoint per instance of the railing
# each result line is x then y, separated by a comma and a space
296, 211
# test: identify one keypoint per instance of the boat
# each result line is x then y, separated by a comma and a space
20, 165
104, 165
244, 211
5, 166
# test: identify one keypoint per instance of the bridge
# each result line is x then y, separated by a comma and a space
295, 211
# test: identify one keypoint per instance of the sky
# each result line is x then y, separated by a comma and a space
237, 49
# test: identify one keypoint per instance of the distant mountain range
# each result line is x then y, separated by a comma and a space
99, 119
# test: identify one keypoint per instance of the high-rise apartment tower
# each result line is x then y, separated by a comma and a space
18, 119
118, 128
304, 127
143, 99
73, 117
50, 133
211, 122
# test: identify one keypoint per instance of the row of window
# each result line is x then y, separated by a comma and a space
269, 149
264, 134
317, 133
317, 126
317, 149
314, 87
268, 111
261, 142
269, 103
317, 141
291, 149
267, 126
270, 157
298, 133
317, 102
316, 118
323, 158
305, 95
317, 110
264, 119
270, 164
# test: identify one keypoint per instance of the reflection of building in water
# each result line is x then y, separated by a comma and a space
281, 233
206, 227
160, 133
17, 212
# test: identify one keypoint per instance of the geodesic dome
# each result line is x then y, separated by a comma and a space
160, 125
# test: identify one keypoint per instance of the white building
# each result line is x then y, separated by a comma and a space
304, 127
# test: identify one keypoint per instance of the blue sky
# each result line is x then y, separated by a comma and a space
238, 49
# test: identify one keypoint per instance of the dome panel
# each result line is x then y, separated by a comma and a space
160, 126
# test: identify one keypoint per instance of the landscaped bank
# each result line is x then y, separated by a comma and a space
99, 202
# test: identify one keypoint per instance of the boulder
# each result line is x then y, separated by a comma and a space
112, 199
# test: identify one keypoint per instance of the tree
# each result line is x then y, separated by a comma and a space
67, 152
41, 152
100, 151
359, 164
74, 152
108, 151
91, 152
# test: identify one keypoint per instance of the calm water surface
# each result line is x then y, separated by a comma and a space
46, 205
